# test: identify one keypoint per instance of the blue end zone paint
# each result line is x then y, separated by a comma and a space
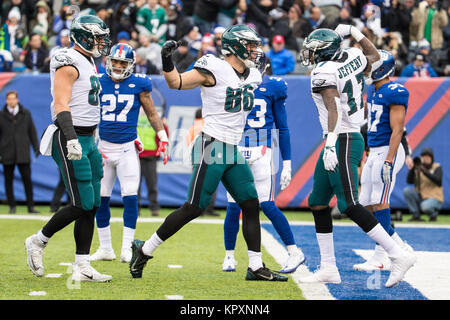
354, 284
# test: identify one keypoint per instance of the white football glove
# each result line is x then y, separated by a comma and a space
285, 177
330, 160
74, 150
386, 171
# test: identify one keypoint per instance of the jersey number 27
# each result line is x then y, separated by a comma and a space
109, 104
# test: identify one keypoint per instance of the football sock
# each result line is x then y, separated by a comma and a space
251, 227
103, 213
279, 222
384, 218
130, 211
127, 237
254, 260
326, 247
61, 219
380, 236
292, 249
177, 219
84, 230
81, 258
229, 253
104, 237
397, 239
151, 244
231, 225
42, 238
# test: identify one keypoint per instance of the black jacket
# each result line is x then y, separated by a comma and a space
17, 133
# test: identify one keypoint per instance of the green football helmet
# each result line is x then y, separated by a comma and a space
91, 34
235, 41
321, 45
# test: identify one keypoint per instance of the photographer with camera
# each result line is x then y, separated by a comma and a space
427, 195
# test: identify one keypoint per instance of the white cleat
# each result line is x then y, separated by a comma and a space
293, 262
83, 271
399, 266
103, 255
125, 255
35, 251
325, 274
229, 264
378, 261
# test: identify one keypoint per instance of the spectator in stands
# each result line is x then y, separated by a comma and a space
182, 58
393, 43
63, 19
330, 9
317, 19
283, 61
225, 16
306, 6
207, 46
26, 9
152, 50
35, 56
143, 65
436, 58
124, 17
344, 18
419, 68
42, 21
397, 19
218, 32
63, 42
300, 26
355, 7
194, 40
152, 21
123, 37
372, 22
148, 159
206, 11
258, 15
427, 195
17, 134
15, 31
428, 21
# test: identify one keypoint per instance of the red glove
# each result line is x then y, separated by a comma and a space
139, 145
164, 149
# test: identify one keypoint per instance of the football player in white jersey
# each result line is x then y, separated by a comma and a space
70, 141
387, 103
123, 93
337, 82
227, 96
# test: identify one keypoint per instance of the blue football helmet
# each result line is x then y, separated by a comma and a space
387, 67
120, 52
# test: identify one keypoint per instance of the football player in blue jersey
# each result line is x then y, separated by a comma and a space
122, 95
387, 102
256, 147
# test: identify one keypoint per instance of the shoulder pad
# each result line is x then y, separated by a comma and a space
61, 59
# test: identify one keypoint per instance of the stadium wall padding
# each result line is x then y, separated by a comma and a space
427, 123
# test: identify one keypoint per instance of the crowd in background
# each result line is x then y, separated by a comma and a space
416, 32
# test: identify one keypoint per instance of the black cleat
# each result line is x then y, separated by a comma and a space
264, 274
138, 259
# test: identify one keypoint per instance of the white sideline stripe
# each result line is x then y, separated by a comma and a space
220, 221
67, 264
429, 275
37, 293
54, 275
174, 297
174, 266
311, 291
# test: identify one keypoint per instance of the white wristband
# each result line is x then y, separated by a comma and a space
162, 135
331, 139
287, 164
356, 34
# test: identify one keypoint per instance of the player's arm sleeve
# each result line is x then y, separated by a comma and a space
405, 144
62, 59
280, 118
205, 65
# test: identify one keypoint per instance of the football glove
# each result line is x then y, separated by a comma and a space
386, 171
74, 150
163, 146
285, 177
103, 157
330, 160
169, 48
139, 145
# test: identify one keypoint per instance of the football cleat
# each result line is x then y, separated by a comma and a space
35, 251
293, 262
229, 264
83, 271
325, 274
138, 259
399, 266
125, 255
264, 274
103, 255
378, 261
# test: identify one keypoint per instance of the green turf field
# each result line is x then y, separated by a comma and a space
198, 248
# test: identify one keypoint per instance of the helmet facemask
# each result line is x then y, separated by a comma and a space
116, 71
